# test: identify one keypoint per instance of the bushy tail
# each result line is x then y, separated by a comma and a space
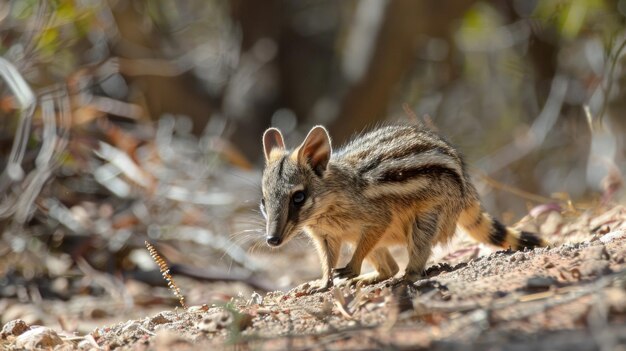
484, 228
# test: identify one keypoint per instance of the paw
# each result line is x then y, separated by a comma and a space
411, 277
324, 286
346, 272
406, 278
368, 279
393, 282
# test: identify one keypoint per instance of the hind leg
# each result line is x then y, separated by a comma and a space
419, 244
435, 226
386, 267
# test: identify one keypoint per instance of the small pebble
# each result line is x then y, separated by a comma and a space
614, 235
15, 327
40, 337
540, 282
256, 299
207, 325
159, 319
197, 309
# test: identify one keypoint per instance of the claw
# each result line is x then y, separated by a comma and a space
408, 279
345, 272
320, 289
394, 281
355, 281
317, 289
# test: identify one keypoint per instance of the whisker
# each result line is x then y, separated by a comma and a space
257, 246
247, 231
252, 224
243, 239
254, 218
234, 243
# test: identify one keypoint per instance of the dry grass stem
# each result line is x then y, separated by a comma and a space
165, 271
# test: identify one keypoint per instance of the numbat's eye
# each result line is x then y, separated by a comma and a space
298, 197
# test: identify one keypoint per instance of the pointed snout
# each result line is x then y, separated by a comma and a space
273, 240
274, 237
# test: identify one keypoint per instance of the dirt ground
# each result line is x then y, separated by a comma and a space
571, 296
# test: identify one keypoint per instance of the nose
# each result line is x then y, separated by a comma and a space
273, 240
273, 236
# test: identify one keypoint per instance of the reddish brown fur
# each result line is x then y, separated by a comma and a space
396, 185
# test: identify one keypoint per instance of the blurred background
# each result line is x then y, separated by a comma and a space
126, 121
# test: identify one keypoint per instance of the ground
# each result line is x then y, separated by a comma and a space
570, 296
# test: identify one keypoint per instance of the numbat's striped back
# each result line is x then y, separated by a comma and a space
397, 184
396, 159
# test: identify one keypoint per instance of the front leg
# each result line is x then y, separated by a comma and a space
367, 242
328, 250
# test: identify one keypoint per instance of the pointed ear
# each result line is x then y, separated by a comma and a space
316, 149
272, 139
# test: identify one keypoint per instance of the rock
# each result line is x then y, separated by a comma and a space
224, 319
207, 325
15, 327
159, 319
198, 309
591, 269
255, 299
540, 283
41, 337
217, 321
517, 257
614, 235
129, 327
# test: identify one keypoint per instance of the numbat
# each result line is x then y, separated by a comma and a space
395, 185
